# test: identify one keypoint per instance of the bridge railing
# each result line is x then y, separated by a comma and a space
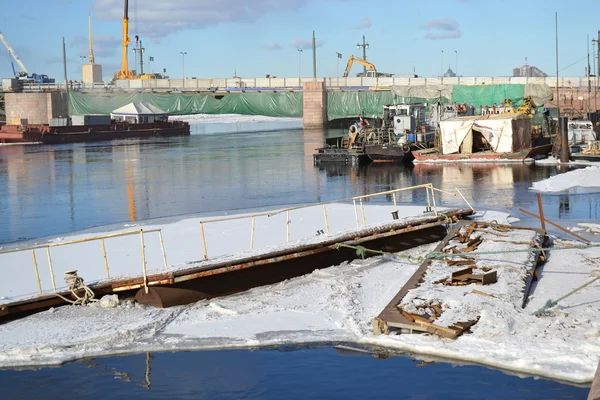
343, 83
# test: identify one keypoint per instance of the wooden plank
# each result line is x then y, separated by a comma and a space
482, 293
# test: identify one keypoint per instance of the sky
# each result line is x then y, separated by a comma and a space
253, 38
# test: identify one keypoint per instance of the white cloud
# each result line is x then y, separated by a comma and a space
443, 28
305, 43
160, 17
364, 24
272, 46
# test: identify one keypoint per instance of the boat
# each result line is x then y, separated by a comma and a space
404, 129
584, 142
503, 137
134, 120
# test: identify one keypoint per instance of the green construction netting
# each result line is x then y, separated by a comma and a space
273, 104
483, 95
350, 104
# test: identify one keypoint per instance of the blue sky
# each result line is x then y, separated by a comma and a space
259, 37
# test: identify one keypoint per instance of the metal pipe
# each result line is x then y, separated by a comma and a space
251, 235
433, 199
37, 273
51, 270
463, 197
325, 216
203, 240
162, 247
563, 124
287, 226
355, 213
105, 259
362, 210
144, 260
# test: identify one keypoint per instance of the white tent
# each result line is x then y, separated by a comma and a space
500, 133
139, 113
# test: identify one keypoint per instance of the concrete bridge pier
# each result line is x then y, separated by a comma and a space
314, 104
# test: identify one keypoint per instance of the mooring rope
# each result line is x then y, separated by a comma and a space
75, 283
551, 303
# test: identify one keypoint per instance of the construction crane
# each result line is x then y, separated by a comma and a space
360, 61
125, 72
23, 73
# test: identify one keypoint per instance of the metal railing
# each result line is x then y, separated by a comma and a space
360, 217
102, 239
257, 84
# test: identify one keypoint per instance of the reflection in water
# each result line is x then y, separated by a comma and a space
290, 373
47, 190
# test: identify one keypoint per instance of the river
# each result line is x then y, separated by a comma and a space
54, 190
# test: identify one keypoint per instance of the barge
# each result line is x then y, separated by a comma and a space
134, 120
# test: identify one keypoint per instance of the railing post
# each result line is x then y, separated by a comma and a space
203, 240
433, 199
326, 222
105, 259
395, 205
37, 273
251, 235
428, 199
287, 225
162, 247
51, 270
144, 260
362, 210
355, 212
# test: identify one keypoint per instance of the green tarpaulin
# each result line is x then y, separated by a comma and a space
489, 95
273, 104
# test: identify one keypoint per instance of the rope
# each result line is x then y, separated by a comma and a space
551, 303
362, 251
440, 255
75, 283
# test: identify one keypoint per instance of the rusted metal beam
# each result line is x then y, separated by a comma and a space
555, 225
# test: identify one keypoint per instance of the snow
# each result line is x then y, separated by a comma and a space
336, 304
584, 178
552, 160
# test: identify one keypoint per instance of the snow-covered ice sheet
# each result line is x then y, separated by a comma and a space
335, 304
585, 178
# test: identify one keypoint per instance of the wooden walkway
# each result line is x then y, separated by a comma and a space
393, 317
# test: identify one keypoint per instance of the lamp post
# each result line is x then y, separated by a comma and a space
141, 58
364, 46
151, 59
442, 66
183, 53
594, 42
456, 69
299, 66
82, 58
337, 68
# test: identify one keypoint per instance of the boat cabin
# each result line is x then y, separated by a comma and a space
139, 113
498, 133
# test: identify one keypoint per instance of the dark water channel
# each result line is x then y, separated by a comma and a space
53, 190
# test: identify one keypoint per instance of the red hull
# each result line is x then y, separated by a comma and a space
71, 134
428, 156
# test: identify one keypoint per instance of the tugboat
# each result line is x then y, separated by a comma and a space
404, 130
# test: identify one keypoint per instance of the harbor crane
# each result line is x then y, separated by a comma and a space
23, 74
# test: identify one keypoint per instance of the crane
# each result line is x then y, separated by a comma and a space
23, 72
125, 72
360, 61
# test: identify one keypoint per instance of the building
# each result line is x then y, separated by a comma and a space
450, 73
529, 70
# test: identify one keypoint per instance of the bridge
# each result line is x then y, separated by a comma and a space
317, 101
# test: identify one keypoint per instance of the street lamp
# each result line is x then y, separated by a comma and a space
299, 66
442, 65
82, 58
183, 53
141, 58
456, 69
364, 46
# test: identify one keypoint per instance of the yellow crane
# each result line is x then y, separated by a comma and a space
360, 61
125, 72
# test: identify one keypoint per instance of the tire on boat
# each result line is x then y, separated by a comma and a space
353, 129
